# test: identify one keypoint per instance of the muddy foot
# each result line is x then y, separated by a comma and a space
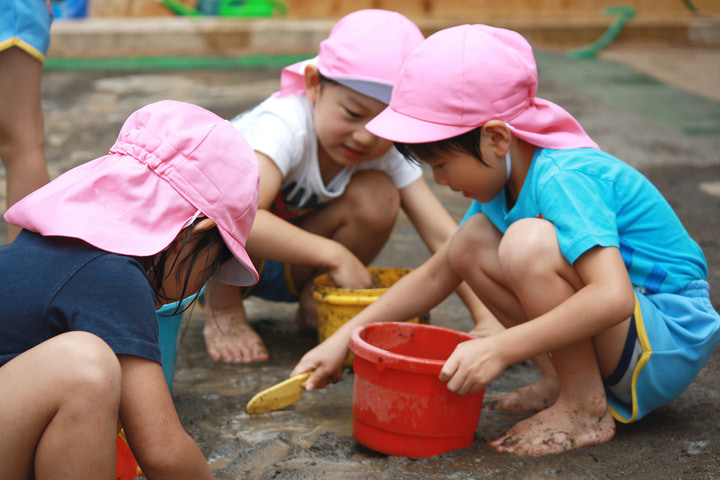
232, 340
554, 430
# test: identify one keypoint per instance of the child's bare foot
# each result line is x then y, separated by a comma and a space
231, 339
558, 429
532, 398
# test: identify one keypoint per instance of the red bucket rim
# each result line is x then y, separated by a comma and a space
379, 356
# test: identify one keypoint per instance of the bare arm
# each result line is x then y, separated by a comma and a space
429, 217
158, 440
606, 299
412, 295
276, 239
435, 226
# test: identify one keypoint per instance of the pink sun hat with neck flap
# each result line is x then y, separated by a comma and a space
462, 77
364, 52
171, 163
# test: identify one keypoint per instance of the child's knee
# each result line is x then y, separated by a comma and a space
89, 365
530, 247
471, 242
373, 198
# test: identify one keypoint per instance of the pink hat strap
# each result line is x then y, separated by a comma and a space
292, 81
548, 125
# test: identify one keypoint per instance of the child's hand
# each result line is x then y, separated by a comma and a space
472, 366
325, 360
350, 273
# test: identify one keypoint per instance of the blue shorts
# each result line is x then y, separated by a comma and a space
671, 339
275, 283
26, 24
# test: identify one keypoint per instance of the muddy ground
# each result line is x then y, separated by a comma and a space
671, 135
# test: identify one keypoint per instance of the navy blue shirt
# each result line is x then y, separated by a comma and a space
52, 285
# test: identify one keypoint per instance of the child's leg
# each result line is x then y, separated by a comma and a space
361, 219
530, 398
474, 255
59, 411
21, 126
536, 272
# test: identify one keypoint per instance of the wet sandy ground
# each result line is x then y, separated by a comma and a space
671, 135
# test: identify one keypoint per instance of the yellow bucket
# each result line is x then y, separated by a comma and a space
335, 306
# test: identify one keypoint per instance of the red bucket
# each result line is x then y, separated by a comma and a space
127, 467
400, 406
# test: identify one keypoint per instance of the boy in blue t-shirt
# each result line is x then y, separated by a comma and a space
575, 252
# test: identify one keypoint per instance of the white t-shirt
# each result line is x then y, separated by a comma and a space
283, 129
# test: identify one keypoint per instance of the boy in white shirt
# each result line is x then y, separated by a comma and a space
330, 190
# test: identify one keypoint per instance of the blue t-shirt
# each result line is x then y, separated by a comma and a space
52, 285
594, 199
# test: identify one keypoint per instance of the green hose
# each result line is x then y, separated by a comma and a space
624, 13
691, 7
180, 8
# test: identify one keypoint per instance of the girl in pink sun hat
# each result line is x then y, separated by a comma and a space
574, 251
330, 191
101, 248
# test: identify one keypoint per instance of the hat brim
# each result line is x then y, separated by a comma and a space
401, 128
94, 202
379, 91
544, 124
238, 271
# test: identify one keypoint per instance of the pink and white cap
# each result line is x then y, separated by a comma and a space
364, 52
462, 77
172, 161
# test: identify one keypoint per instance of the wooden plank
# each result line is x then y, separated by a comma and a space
553, 8
471, 11
409, 8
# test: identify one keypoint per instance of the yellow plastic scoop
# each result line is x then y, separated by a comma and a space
278, 396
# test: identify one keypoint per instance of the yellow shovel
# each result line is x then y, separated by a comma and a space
278, 396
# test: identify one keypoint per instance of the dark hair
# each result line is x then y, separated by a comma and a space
324, 79
210, 240
468, 142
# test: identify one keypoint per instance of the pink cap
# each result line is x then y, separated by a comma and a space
364, 51
462, 77
171, 160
